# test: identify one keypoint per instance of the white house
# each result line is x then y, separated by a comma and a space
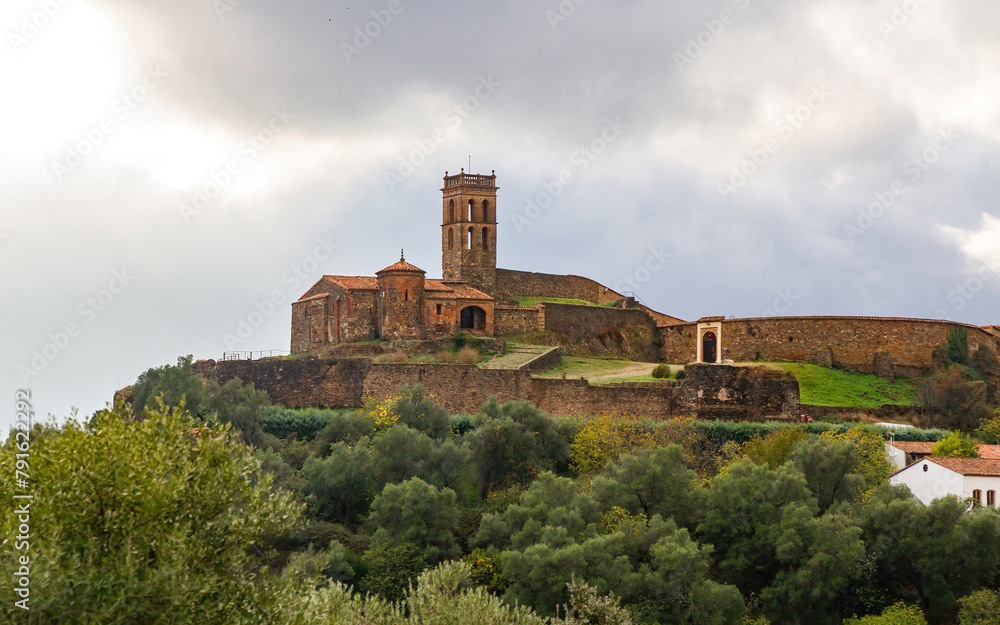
967, 478
903, 453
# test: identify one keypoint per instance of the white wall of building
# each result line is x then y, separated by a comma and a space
938, 481
897, 457
931, 484
983, 484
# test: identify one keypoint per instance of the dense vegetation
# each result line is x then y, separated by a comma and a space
227, 510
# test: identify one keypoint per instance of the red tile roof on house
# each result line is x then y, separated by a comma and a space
354, 283
908, 447
989, 451
987, 467
985, 451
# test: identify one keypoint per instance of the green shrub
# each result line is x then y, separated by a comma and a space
722, 432
305, 422
956, 445
899, 614
661, 371
680, 375
391, 570
979, 608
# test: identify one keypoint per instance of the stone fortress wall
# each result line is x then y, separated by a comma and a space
712, 391
879, 345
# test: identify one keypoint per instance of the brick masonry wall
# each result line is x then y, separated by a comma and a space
515, 320
579, 398
359, 316
306, 315
616, 328
461, 389
511, 283
295, 382
679, 343
741, 393
854, 341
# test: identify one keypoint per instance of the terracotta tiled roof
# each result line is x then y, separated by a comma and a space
913, 447
436, 285
401, 265
320, 296
464, 291
985, 451
968, 466
354, 283
458, 290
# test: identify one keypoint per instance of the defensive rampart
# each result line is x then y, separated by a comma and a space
723, 392
854, 343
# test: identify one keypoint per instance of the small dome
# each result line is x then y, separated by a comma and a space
402, 265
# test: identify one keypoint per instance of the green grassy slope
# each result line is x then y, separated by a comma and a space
833, 387
532, 301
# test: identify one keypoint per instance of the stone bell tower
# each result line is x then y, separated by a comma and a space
469, 229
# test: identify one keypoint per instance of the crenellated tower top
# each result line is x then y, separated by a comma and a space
469, 229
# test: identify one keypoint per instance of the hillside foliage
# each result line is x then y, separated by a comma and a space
398, 512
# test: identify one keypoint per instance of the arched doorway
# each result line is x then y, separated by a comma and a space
709, 347
473, 318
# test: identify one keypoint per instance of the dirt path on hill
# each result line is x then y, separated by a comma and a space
629, 371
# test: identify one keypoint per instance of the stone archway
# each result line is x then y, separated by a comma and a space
473, 318
709, 347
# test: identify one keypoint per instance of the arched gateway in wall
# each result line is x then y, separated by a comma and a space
473, 318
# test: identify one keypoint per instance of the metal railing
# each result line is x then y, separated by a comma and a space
270, 353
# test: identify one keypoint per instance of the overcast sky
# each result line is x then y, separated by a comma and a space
169, 170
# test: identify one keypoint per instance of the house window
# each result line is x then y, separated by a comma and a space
406, 296
991, 498
451, 211
977, 496
439, 314
486, 239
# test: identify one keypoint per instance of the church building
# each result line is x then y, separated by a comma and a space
399, 302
